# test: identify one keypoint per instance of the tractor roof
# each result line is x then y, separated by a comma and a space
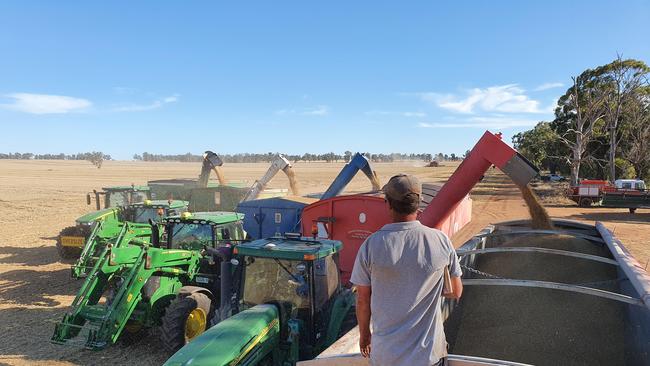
212, 218
161, 204
96, 215
289, 248
125, 188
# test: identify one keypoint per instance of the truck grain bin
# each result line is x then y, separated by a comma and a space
275, 216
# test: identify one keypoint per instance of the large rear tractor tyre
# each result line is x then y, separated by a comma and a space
185, 319
585, 202
69, 252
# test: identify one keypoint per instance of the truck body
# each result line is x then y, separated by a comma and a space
624, 193
573, 295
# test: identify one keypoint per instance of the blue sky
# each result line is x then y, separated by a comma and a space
172, 77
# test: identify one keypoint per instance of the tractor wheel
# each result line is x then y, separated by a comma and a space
68, 252
185, 319
585, 202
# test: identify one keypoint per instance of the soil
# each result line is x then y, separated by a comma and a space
39, 198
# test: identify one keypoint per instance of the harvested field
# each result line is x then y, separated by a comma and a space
39, 198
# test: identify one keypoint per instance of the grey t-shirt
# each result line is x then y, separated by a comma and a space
404, 263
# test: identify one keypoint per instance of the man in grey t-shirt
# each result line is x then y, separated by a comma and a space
399, 275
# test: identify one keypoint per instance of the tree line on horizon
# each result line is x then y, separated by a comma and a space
601, 128
236, 158
307, 157
60, 156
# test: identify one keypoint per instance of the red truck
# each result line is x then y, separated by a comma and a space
628, 193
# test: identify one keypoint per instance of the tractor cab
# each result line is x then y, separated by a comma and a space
300, 274
117, 196
198, 230
154, 210
291, 300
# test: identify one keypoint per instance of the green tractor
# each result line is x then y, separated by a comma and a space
71, 240
171, 282
293, 306
119, 225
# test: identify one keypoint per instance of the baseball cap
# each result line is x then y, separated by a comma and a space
401, 185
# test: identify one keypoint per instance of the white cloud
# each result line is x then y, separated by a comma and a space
497, 122
501, 98
147, 107
402, 114
45, 103
319, 110
547, 86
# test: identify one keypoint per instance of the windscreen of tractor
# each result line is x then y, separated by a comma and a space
116, 199
143, 214
270, 279
191, 236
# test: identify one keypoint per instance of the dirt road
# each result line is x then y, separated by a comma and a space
39, 198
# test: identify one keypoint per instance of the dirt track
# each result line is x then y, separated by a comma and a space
39, 198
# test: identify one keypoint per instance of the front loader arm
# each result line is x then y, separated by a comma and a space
128, 232
119, 277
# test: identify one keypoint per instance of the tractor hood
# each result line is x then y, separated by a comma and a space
94, 216
232, 340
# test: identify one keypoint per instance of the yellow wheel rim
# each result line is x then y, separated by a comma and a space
195, 324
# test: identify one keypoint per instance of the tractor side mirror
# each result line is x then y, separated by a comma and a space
88, 198
155, 234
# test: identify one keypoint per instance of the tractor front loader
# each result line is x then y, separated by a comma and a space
120, 225
169, 282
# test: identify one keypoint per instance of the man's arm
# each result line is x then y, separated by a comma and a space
363, 318
456, 288
455, 273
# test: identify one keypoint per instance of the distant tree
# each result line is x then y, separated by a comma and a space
96, 158
636, 132
579, 117
621, 80
542, 147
